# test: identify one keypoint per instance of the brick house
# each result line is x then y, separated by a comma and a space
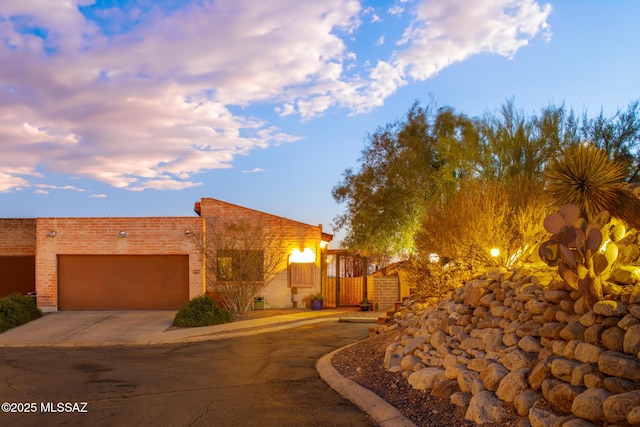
142, 263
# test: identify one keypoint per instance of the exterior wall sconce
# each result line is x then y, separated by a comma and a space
52, 234
323, 244
305, 256
495, 252
187, 233
122, 234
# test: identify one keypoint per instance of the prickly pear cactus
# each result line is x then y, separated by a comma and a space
583, 251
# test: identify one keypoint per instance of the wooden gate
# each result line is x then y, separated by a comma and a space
344, 279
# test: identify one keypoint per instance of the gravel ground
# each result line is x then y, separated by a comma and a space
363, 363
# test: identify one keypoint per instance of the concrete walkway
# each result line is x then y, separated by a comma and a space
126, 328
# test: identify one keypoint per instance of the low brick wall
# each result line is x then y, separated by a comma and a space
528, 341
386, 291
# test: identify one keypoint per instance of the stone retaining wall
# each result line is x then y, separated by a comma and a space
512, 338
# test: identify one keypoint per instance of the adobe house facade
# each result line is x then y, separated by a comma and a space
143, 263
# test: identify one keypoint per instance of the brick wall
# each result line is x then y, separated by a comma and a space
100, 236
386, 291
17, 236
297, 235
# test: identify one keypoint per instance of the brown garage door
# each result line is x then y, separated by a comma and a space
17, 274
122, 282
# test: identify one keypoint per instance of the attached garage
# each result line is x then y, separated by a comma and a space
17, 274
122, 282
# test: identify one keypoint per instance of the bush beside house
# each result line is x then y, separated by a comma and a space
16, 310
201, 311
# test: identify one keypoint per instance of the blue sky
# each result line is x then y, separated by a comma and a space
140, 108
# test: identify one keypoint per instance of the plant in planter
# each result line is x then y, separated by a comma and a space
316, 301
365, 305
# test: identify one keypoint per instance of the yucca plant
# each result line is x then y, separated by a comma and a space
585, 176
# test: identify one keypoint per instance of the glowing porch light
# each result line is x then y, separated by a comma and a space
495, 252
323, 244
306, 256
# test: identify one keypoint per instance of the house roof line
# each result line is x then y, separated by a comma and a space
197, 210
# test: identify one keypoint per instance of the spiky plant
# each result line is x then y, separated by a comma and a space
586, 177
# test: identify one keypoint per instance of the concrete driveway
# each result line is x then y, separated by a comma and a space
89, 328
112, 328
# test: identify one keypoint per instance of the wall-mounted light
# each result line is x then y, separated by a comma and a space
122, 234
434, 257
495, 252
187, 233
305, 256
52, 234
323, 244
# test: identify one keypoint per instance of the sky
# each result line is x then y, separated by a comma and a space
142, 107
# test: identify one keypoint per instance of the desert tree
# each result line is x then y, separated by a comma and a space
403, 165
619, 136
241, 257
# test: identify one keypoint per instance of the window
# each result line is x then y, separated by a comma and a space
302, 274
240, 265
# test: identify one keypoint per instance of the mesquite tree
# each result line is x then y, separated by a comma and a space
241, 257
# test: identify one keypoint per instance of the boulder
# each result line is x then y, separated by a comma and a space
631, 342
539, 373
590, 405
628, 321
613, 338
633, 417
484, 408
524, 401
469, 381
408, 362
392, 357
461, 399
414, 344
588, 319
609, 308
562, 368
619, 385
551, 330
530, 344
618, 406
619, 365
543, 418
514, 359
444, 389
580, 372
513, 384
492, 375
593, 334
573, 331
426, 379
562, 396
588, 353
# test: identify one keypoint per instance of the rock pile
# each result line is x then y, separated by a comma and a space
514, 338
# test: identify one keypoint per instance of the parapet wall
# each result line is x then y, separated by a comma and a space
525, 340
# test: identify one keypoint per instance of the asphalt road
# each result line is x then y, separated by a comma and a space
267, 379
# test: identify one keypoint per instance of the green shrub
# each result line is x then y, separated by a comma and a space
16, 310
201, 311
